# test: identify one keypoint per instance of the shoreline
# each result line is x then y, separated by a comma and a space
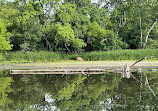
79, 64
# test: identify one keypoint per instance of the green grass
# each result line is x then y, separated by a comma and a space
121, 55
45, 56
41, 56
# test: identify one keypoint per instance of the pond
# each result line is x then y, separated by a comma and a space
77, 92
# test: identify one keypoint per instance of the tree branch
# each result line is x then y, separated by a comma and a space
47, 42
140, 60
66, 47
147, 36
141, 33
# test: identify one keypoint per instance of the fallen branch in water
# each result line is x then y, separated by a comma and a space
126, 68
140, 60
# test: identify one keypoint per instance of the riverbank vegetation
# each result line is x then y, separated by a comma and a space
46, 56
50, 30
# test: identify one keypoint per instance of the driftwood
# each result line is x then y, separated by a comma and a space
138, 61
141, 60
126, 71
126, 68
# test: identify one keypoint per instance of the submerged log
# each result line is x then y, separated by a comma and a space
126, 68
65, 71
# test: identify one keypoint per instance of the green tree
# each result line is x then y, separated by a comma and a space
94, 36
29, 37
134, 21
65, 37
65, 13
100, 39
4, 38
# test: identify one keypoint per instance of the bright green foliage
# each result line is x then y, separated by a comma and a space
100, 39
4, 38
64, 33
95, 33
80, 25
9, 15
66, 13
65, 36
29, 11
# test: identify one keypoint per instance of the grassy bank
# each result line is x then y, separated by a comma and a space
45, 56
41, 56
122, 55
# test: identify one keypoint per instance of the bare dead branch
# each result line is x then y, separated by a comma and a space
140, 60
147, 36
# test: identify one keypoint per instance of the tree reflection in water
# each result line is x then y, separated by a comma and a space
79, 92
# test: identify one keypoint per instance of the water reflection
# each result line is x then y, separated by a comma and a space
106, 92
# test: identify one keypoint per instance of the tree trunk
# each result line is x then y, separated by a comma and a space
147, 36
48, 44
67, 47
141, 33
124, 21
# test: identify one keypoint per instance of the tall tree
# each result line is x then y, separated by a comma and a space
4, 37
134, 21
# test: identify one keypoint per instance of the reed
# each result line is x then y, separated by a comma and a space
45, 56
24, 57
121, 55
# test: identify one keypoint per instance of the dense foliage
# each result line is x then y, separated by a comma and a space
78, 25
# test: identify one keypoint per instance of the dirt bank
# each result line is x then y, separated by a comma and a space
78, 64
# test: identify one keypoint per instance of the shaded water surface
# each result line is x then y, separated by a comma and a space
105, 92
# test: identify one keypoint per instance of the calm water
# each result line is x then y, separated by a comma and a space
106, 92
